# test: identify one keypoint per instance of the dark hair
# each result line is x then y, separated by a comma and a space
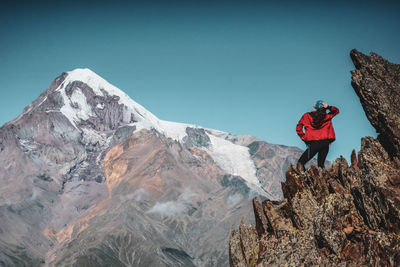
318, 117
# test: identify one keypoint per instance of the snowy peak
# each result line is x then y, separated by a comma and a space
98, 84
97, 109
92, 96
85, 94
93, 80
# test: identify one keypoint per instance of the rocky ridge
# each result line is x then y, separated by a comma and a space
348, 214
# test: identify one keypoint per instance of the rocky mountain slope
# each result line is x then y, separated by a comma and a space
88, 177
345, 215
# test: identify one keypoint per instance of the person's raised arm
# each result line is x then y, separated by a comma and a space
333, 111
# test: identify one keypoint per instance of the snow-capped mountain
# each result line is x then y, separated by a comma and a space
93, 106
90, 177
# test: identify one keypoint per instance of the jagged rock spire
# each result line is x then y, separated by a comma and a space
377, 83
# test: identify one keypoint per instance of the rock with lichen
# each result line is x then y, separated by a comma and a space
377, 83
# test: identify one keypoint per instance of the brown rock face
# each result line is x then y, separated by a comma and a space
377, 83
345, 215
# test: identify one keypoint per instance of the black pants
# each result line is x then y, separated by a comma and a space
313, 147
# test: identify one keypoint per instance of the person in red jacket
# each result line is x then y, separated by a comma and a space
319, 133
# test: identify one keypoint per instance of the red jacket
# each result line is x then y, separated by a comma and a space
312, 134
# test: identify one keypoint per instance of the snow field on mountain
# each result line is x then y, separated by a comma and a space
70, 112
233, 159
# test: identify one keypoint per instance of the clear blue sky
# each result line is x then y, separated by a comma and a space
248, 67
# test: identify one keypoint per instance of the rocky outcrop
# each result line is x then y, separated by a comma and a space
346, 215
271, 162
377, 83
196, 137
